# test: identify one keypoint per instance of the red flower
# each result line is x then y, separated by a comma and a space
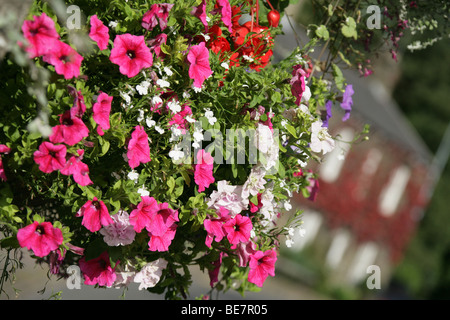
40, 34
102, 109
262, 264
42, 238
50, 157
98, 270
70, 131
138, 148
131, 54
65, 59
199, 68
99, 32
238, 229
95, 215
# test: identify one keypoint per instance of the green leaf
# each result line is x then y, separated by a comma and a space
322, 32
338, 76
349, 28
291, 130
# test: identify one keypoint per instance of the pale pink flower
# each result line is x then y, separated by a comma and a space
229, 197
131, 54
120, 232
150, 274
138, 148
99, 32
199, 68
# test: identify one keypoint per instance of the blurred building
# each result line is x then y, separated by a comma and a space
371, 196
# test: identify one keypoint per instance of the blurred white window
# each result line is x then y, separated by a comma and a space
391, 195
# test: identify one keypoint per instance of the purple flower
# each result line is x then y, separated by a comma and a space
347, 101
328, 106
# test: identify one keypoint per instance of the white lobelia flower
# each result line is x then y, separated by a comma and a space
150, 122
176, 154
150, 274
168, 71
321, 141
142, 88
133, 175
143, 192
174, 106
162, 83
159, 129
210, 116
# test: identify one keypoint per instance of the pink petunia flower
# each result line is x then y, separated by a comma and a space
238, 229
3, 149
95, 215
42, 238
200, 12
199, 68
162, 242
98, 270
138, 148
158, 13
102, 110
40, 34
244, 251
65, 59
155, 44
99, 32
214, 273
131, 54
297, 83
225, 8
179, 118
162, 220
203, 173
70, 131
50, 157
144, 213
80, 171
214, 226
79, 106
262, 264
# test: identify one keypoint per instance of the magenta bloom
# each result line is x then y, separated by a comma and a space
40, 34
158, 13
102, 109
79, 107
238, 229
98, 270
78, 169
42, 238
203, 174
65, 59
244, 251
200, 12
70, 131
155, 44
144, 213
162, 220
214, 226
199, 68
297, 82
3, 149
262, 264
99, 32
131, 54
138, 148
95, 215
162, 242
225, 8
50, 157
